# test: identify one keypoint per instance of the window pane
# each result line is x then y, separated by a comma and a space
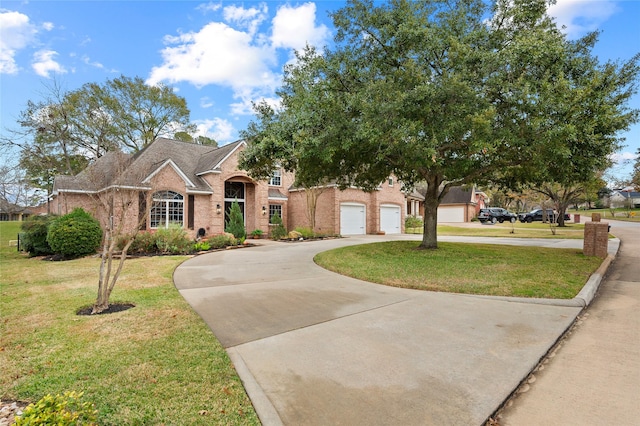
167, 208
234, 190
158, 213
273, 209
276, 178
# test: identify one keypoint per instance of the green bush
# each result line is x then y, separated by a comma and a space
221, 241
33, 238
75, 234
60, 410
413, 222
143, 242
278, 231
235, 223
306, 232
173, 240
202, 246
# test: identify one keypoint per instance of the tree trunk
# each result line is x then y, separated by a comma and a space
431, 203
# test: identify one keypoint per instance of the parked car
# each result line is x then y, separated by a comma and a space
496, 214
537, 215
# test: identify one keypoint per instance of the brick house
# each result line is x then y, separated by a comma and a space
461, 204
194, 186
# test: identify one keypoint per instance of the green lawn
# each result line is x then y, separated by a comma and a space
508, 230
629, 215
466, 268
154, 364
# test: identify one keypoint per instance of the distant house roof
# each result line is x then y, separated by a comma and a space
459, 195
627, 194
190, 161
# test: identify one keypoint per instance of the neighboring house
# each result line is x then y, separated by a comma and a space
10, 211
625, 198
194, 186
415, 204
461, 204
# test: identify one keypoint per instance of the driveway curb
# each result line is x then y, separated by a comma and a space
264, 408
584, 297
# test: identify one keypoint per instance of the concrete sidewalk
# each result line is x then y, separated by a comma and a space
316, 348
593, 376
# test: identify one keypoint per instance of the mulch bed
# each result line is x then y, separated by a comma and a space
113, 308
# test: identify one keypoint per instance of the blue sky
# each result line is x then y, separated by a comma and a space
220, 55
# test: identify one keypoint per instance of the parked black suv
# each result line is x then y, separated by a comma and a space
496, 214
536, 215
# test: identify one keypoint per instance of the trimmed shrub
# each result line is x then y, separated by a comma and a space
143, 242
75, 234
413, 222
221, 241
306, 232
62, 410
33, 238
278, 231
173, 240
235, 223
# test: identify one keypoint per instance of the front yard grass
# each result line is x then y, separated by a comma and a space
485, 269
515, 230
156, 363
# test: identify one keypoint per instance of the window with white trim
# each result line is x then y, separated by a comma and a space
276, 178
390, 181
273, 210
167, 209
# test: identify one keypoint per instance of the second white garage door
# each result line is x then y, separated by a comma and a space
390, 219
352, 219
451, 214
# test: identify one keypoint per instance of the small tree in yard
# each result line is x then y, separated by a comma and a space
235, 223
115, 203
278, 231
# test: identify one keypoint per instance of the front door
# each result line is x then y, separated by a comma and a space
233, 191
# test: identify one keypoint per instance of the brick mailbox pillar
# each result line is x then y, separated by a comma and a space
596, 239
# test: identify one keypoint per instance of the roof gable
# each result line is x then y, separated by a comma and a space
170, 163
189, 160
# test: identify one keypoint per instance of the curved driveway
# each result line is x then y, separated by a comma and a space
316, 348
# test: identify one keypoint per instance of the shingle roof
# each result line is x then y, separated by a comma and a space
191, 160
458, 195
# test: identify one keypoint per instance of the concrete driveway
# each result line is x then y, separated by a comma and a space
316, 348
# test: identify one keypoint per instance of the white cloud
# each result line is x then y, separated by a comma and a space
94, 64
219, 129
293, 27
206, 7
581, 16
48, 26
237, 54
217, 54
249, 19
16, 33
623, 157
44, 63
206, 102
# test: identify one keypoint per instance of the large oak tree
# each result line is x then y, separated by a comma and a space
439, 92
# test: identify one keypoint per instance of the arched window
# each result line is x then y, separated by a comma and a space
167, 209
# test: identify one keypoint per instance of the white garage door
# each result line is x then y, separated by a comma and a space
390, 219
451, 214
352, 219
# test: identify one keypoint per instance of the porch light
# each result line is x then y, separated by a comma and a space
264, 210
218, 209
